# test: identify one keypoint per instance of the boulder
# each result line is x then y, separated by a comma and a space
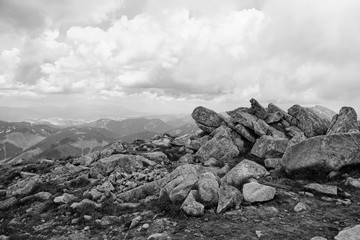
269, 147
309, 122
344, 121
178, 188
274, 117
287, 117
258, 110
220, 147
349, 234
191, 207
242, 171
206, 119
299, 137
157, 157
256, 192
293, 131
245, 133
208, 188
353, 182
229, 197
300, 207
323, 153
65, 198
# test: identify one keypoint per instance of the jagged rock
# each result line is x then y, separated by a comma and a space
8, 203
349, 234
94, 194
191, 207
195, 144
178, 188
300, 207
323, 153
272, 162
220, 147
344, 121
353, 182
23, 187
65, 198
206, 119
229, 197
297, 138
269, 147
208, 188
181, 140
84, 160
159, 236
258, 110
256, 192
242, 131
274, 117
163, 142
322, 188
323, 112
287, 117
157, 157
309, 122
223, 171
243, 171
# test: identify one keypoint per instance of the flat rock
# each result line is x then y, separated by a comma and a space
308, 121
269, 147
242, 171
65, 198
323, 153
322, 188
344, 121
349, 234
256, 192
229, 197
23, 187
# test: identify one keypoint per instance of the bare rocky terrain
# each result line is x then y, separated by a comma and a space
256, 173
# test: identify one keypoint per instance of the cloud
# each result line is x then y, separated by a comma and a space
275, 50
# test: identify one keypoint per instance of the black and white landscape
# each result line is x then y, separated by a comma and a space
179, 119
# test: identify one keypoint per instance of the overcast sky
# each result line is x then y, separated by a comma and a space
173, 55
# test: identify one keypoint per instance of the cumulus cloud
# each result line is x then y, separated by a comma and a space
276, 50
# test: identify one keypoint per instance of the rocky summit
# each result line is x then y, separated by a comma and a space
251, 173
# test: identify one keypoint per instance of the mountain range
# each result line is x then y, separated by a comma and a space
21, 141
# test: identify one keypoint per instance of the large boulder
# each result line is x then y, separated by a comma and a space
323, 153
287, 117
269, 147
206, 119
343, 122
220, 147
242, 171
311, 123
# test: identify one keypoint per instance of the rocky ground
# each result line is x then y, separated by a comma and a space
257, 173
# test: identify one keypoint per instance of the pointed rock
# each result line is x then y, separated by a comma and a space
344, 121
191, 207
229, 197
258, 110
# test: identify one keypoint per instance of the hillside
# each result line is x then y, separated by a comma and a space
69, 142
16, 137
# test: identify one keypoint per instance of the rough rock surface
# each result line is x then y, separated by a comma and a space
256, 192
343, 122
269, 147
206, 117
309, 122
242, 171
323, 153
208, 188
229, 197
191, 206
349, 234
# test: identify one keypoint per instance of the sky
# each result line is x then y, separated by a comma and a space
169, 56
